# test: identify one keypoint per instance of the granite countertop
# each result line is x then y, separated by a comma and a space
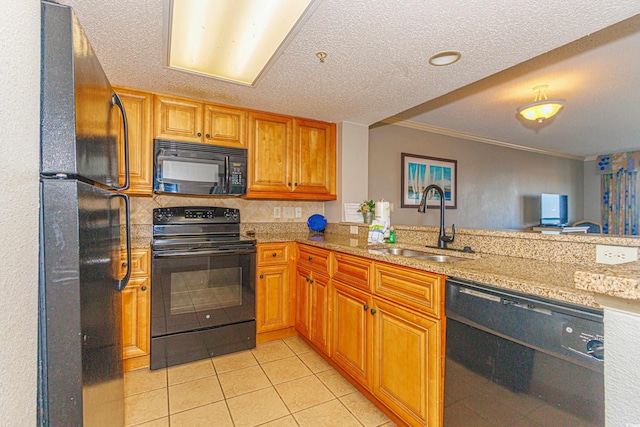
573, 283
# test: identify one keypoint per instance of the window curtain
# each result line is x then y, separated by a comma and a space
620, 210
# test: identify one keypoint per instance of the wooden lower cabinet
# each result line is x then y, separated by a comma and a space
352, 332
406, 363
312, 307
136, 311
275, 295
272, 298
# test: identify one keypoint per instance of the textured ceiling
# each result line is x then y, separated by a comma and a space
378, 61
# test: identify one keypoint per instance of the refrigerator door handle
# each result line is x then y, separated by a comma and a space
122, 283
117, 101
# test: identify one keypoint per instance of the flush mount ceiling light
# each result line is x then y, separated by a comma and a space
541, 108
233, 40
445, 58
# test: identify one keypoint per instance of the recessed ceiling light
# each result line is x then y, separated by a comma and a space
445, 58
231, 40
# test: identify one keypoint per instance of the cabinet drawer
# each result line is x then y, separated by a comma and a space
354, 271
273, 253
413, 288
139, 262
313, 258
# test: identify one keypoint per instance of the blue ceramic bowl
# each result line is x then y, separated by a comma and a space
317, 222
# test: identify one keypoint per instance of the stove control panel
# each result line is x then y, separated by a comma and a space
195, 215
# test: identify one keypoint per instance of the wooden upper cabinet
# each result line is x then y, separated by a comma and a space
291, 158
225, 126
314, 166
270, 155
177, 118
137, 105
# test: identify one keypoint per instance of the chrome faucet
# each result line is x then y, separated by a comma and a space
443, 239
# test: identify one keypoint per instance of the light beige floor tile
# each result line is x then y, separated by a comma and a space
330, 414
338, 385
270, 351
287, 421
256, 408
160, 422
303, 393
144, 407
190, 371
365, 411
194, 393
243, 381
297, 345
214, 414
233, 361
284, 370
315, 362
143, 380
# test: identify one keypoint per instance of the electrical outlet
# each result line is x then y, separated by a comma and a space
276, 212
288, 212
616, 254
298, 212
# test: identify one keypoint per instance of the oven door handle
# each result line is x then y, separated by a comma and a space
200, 253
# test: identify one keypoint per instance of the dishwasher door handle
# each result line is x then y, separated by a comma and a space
531, 307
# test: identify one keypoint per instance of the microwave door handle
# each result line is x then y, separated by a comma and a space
227, 175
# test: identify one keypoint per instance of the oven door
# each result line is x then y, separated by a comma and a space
194, 291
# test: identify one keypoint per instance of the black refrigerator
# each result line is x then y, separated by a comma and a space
80, 379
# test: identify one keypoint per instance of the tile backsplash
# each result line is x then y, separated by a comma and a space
250, 210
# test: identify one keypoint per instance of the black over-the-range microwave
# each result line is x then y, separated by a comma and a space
198, 169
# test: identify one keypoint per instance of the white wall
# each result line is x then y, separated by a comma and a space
19, 144
351, 169
498, 187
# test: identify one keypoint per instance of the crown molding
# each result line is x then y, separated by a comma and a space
471, 137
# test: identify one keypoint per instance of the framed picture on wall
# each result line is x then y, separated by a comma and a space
420, 171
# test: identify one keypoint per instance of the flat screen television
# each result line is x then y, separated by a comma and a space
553, 210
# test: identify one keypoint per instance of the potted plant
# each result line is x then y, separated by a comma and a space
367, 208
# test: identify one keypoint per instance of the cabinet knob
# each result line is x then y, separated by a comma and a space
288, 184
295, 184
124, 263
306, 279
365, 307
310, 259
373, 311
311, 281
199, 134
208, 136
262, 276
274, 254
144, 288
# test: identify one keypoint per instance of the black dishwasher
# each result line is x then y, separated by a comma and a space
513, 359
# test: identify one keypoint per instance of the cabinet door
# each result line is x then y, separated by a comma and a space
303, 302
272, 298
270, 153
225, 126
320, 314
314, 165
135, 318
351, 331
407, 366
177, 118
138, 106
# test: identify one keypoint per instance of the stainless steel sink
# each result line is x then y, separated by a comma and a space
442, 258
427, 256
401, 252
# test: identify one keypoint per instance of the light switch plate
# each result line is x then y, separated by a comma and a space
353, 229
288, 212
616, 254
276, 212
298, 212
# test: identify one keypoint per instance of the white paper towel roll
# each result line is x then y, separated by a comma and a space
383, 214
